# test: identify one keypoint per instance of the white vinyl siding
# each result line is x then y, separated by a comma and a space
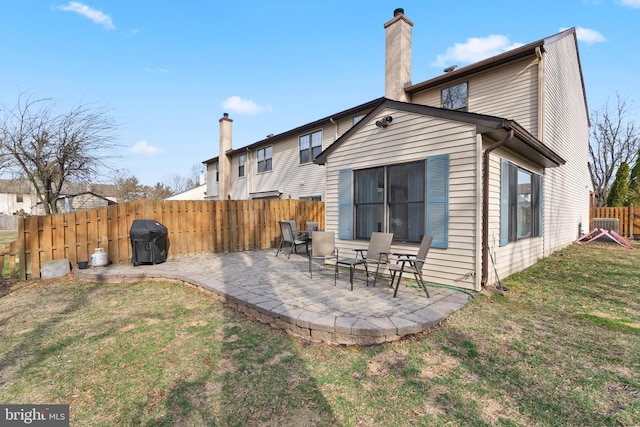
515, 256
212, 184
566, 189
410, 138
509, 91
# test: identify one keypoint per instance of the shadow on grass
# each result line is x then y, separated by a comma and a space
41, 334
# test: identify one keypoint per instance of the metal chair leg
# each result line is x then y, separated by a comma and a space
422, 284
395, 292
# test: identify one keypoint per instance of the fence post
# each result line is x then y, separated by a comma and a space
22, 256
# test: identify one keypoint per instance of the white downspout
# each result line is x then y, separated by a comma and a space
336, 135
541, 94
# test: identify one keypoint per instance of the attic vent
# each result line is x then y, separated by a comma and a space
270, 135
607, 223
450, 69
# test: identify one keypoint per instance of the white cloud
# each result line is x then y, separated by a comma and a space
143, 147
630, 3
588, 35
475, 49
95, 15
242, 106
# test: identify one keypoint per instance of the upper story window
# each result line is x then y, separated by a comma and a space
310, 146
455, 97
19, 198
358, 118
241, 165
265, 162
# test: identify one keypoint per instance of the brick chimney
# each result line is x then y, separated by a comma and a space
224, 162
398, 56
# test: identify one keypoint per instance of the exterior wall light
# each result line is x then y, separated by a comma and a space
384, 122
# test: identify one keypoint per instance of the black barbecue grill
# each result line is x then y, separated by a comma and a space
148, 242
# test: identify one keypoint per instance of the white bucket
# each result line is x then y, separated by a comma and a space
99, 258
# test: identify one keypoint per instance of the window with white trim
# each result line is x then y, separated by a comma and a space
455, 97
265, 162
408, 200
310, 146
241, 165
520, 203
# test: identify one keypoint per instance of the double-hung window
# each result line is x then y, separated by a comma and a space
407, 199
264, 159
455, 97
241, 165
310, 146
520, 203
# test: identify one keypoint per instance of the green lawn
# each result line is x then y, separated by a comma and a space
562, 347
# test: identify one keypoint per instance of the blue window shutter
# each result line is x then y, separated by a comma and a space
504, 202
345, 204
438, 200
536, 181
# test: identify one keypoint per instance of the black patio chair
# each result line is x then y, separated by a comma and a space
411, 264
290, 236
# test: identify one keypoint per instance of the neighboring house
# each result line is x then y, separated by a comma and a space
196, 193
19, 196
279, 166
106, 191
490, 159
15, 196
76, 202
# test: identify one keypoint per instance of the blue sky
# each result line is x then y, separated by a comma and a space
168, 70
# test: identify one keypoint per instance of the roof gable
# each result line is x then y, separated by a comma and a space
489, 63
532, 49
493, 127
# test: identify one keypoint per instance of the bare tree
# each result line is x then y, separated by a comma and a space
51, 149
179, 183
157, 192
196, 171
128, 188
614, 139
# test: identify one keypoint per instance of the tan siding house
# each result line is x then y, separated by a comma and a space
490, 159
509, 91
273, 167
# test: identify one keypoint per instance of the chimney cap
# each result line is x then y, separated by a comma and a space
398, 11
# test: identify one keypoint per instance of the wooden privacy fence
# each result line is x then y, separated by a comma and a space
12, 255
194, 227
629, 217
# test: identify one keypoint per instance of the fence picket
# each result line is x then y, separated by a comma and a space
629, 217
